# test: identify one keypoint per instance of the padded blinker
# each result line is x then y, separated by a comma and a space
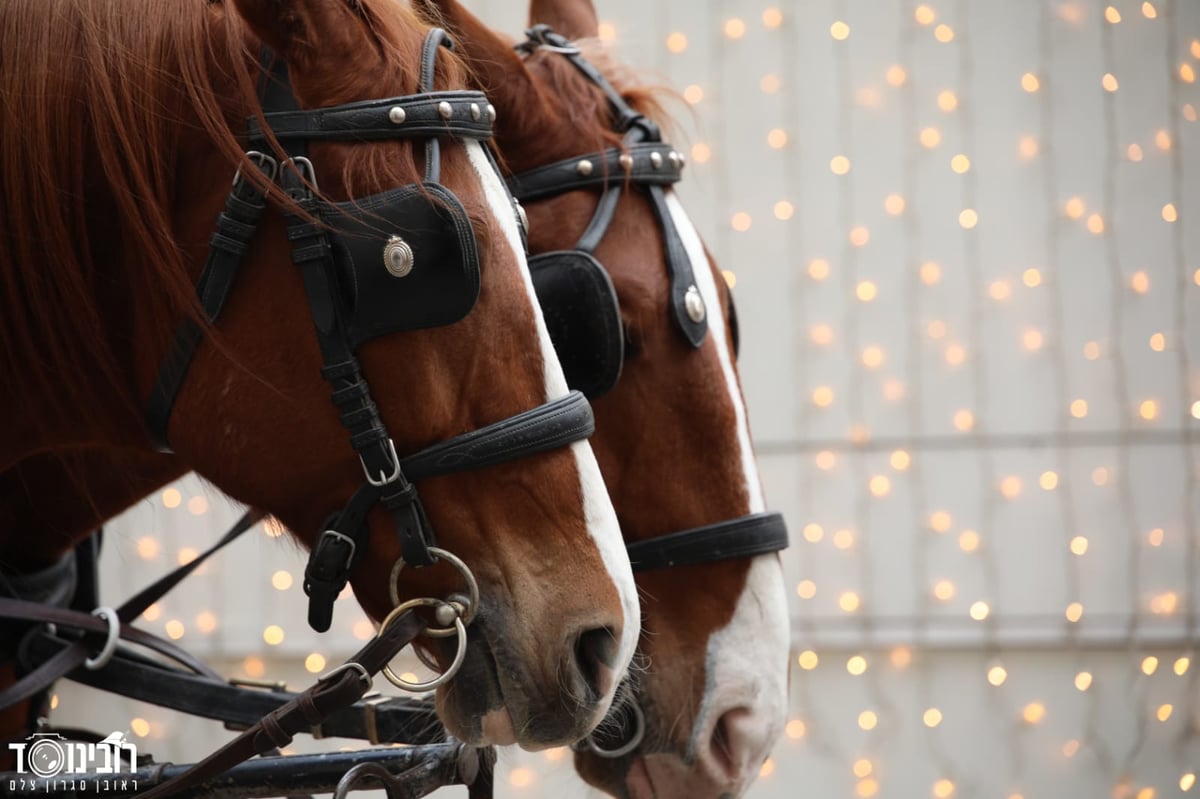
580, 306
388, 290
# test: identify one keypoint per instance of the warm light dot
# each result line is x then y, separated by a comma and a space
1158, 342
1148, 410
880, 485
943, 590
947, 100
139, 727
198, 505
1079, 545
314, 663
1095, 224
1099, 476
822, 396
254, 667
521, 777
1181, 666
813, 532
1149, 665
1195, 48
868, 97
1145, 793
1164, 604
862, 768
943, 33
932, 717
363, 630
924, 15
1074, 612
1079, 408
1109, 82
1074, 208
171, 498
795, 729
1032, 340
1030, 82
867, 720
730, 278
1134, 152
153, 612
940, 521
784, 210
273, 635
866, 788
968, 540
849, 602
1032, 278
701, 152
606, 32
839, 164
901, 657
1139, 281
866, 291
1112, 15
1091, 351
1169, 214
1083, 680
893, 391
1148, 10
556, 754
964, 420
859, 235
859, 434
843, 539
821, 334
1048, 480
893, 204
1162, 140
808, 660
1187, 781
767, 768
930, 137
1033, 713
1027, 147
769, 83
979, 610
996, 675
740, 221
186, 555
734, 28
174, 629
777, 138
825, 460
872, 357
999, 290
1196, 409
960, 164
839, 30
772, 17
206, 621
968, 218
693, 94
677, 42
818, 269
1010, 487
1164, 712
900, 460
943, 788
281, 580
806, 589
896, 75
856, 665
955, 354
147, 547
1070, 748
1186, 73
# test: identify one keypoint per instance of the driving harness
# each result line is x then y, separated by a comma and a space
396, 261
582, 309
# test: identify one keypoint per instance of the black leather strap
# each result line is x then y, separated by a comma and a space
745, 537
602, 169
372, 120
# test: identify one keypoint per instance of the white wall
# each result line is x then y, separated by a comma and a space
1046, 312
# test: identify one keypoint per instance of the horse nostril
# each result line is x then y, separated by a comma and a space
595, 653
737, 744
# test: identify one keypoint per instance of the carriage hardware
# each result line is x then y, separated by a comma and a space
583, 314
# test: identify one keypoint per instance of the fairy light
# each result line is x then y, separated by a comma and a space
740, 221
152, 613
900, 460
206, 621
796, 729
1134, 152
174, 629
1033, 713
1074, 612
944, 590
924, 14
777, 139
1148, 10
521, 777
1149, 665
139, 727
677, 42
1030, 82
947, 100
772, 18
996, 676
1032, 278
822, 396
856, 665
1187, 781
1083, 680
1109, 82
843, 539
314, 663
839, 165
943, 789
693, 94
171, 497
896, 75
198, 505
968, 541
273, 635
1162, 140
894, 204
979, 611
839, 30
930, 137
1027, 147
769, 83
1164, 711
866, 291
1079, 545
943, 33
932, 717
783, 210
849, 601
1181, 666
1112, 15
702, 153
806, 589
868, 719
1158, 342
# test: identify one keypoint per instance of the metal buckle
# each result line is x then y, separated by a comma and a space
545, 37
304, 168
110, 644
348, 666
347, 539
260, 160
383, 479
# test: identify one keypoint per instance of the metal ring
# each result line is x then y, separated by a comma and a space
468, 613
441, 679
639, 733
110, 644
348, 665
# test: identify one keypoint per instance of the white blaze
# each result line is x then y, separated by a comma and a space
601, 518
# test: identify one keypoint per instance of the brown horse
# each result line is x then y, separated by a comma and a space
121, 125
672, 436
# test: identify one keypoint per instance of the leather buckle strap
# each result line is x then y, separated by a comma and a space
641, 163
744, 537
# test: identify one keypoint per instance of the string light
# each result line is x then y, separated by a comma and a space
735, 28
171, 498
677, 42
839, 30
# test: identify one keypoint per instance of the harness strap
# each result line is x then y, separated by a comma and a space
338, 689
424, 115
601, 170
744, 537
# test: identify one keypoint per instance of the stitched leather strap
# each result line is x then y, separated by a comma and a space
372, 120
602, 169
744, 537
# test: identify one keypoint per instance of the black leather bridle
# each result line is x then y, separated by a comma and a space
647, 163
325, 250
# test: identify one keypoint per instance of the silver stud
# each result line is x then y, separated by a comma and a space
491, 109
445, 614
626, 161
682, 160
656, 160
584, 167
475, 112
522, 218
397, 115
693, 304
398, 257
445, 109
673, 157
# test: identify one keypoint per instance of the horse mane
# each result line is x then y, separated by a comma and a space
94, 95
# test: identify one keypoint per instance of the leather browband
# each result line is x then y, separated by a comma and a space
603, 169
469, 117
744, 537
